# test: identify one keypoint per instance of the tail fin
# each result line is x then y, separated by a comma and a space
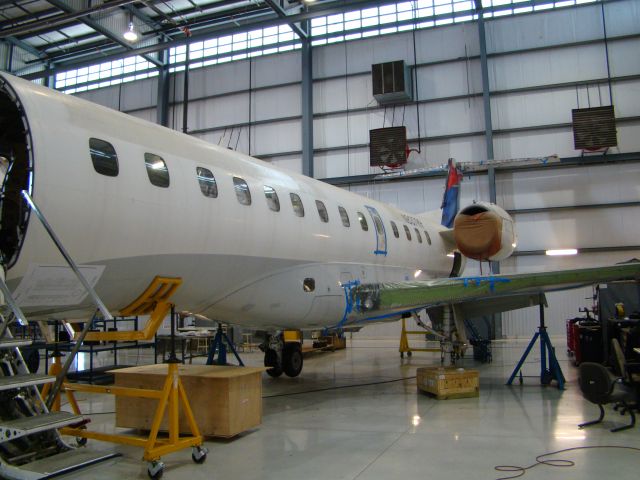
450, 203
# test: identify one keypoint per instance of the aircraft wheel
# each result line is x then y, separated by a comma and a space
271, 360
292, 359
409, 354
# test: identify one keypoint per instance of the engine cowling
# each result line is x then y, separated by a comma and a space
484, 231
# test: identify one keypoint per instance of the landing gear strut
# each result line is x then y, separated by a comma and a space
282, 357
271, 360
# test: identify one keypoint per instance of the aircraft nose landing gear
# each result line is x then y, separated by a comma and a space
283, 354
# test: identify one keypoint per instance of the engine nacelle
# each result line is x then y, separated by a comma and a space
484, 231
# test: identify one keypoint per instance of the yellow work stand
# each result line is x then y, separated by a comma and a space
153, 301
169, 398
404, 341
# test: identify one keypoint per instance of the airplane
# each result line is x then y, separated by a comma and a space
255, 245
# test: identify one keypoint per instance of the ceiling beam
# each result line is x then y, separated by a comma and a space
69, 15
26, 47
283, 14
262, 19
50, 12
103, 30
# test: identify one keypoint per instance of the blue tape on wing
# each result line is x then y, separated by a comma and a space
478, 280
349, 303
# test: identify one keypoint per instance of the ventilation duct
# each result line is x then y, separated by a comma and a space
388, 147
594, 128
391, 82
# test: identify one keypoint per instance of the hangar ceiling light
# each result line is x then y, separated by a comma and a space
130, 35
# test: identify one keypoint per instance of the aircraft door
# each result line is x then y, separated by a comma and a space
381, 234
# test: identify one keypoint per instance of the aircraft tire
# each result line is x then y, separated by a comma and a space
271, 360
292, 359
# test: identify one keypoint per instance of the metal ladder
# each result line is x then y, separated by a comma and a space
30, 445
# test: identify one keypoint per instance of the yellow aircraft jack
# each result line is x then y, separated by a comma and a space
169, 398
404, 341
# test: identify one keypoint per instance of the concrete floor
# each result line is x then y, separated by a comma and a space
355, 414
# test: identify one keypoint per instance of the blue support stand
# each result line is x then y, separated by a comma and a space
218, 345
547, 356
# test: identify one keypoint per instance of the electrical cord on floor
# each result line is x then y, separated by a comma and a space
554, 462
339, 387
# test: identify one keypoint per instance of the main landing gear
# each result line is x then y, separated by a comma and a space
283, 354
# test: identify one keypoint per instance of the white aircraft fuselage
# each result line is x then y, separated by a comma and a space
241, 264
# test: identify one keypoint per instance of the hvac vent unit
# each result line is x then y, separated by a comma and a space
391, 82
594, 128
388, 147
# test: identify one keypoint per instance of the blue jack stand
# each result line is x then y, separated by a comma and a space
218, 345
547, 356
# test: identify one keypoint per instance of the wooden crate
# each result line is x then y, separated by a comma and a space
225, 400
448, 382
335, 343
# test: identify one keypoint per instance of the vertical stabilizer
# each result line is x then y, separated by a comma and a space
450, 200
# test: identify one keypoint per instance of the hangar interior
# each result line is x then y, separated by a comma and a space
494, 84
541, 64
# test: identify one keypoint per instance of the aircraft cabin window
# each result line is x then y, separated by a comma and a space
418, 235
344, 216
272, 198
157, 170
426, 235
363, 222
394, 227
309, 285
296, 203
377, 221
407, 232
242, 191
207, 181
322, 211
104, 157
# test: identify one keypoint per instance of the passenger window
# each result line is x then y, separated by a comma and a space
407, 232
344, 216
377, 221
207, 181
272, 198
296, 203
157, 170
309, 285
426, 235
418, 235
322, 211
363, 222
104, 157
242, 191
394, 227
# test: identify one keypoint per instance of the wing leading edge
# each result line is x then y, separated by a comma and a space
387, 298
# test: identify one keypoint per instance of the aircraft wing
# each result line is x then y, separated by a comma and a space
388, 298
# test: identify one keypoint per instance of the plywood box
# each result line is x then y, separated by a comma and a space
448, 382
225, 400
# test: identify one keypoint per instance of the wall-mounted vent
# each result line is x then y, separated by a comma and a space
391, 82
594, 128
388, 147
